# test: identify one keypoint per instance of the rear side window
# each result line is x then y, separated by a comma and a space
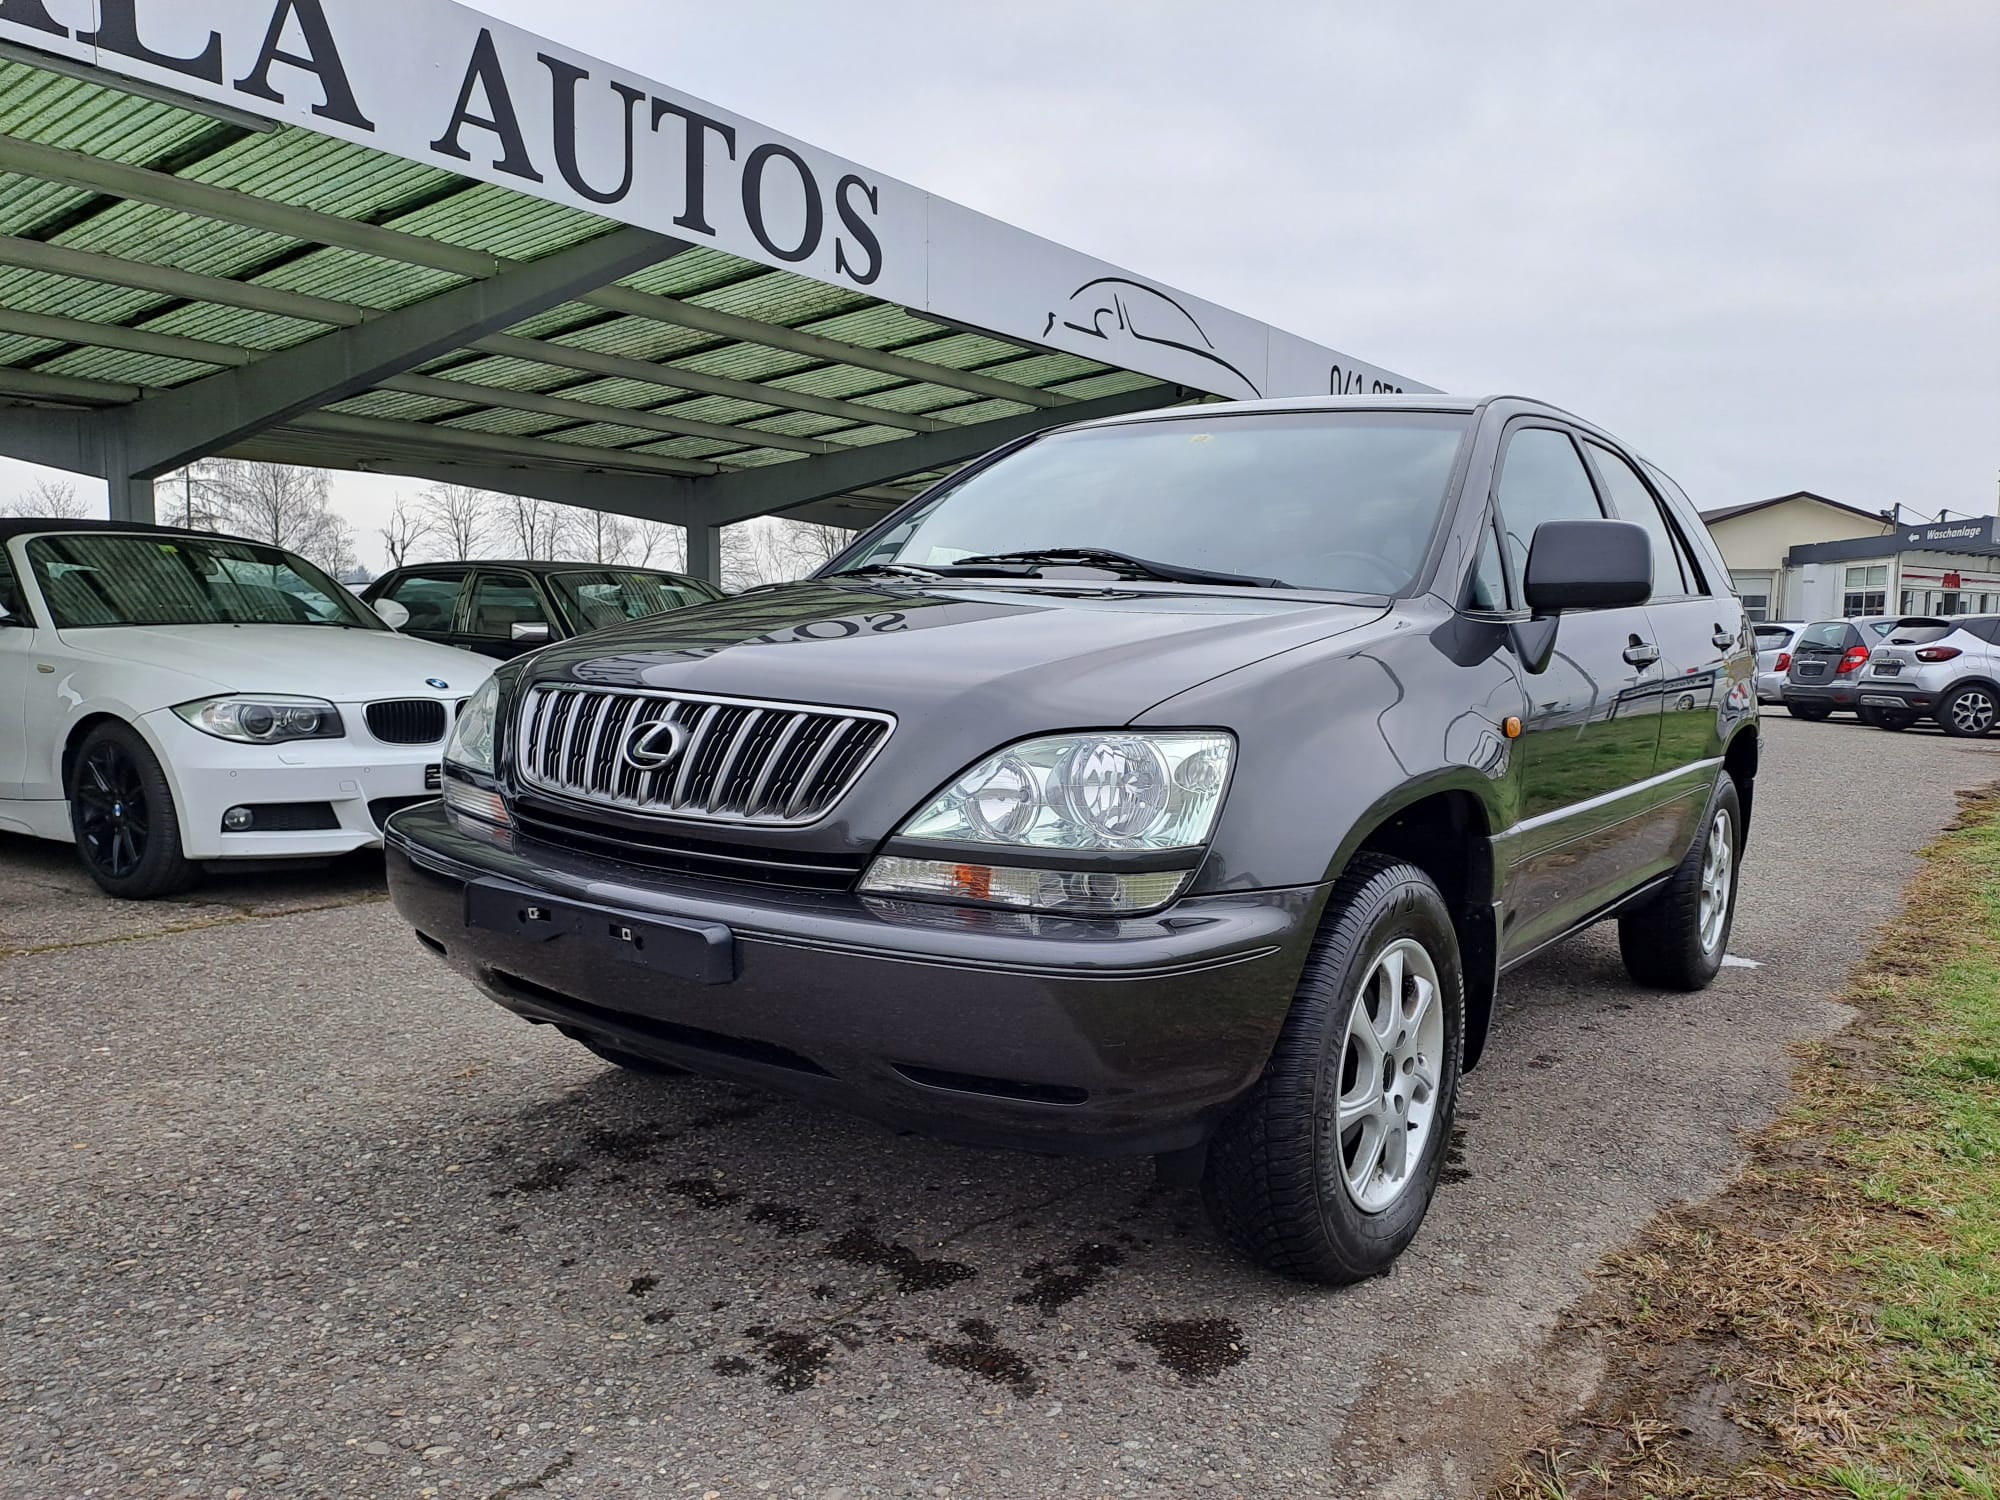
1542, 478
500, 601
1920, 635
431, 598
1831, 636
1634, 502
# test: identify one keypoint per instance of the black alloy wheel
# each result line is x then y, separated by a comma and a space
122, 815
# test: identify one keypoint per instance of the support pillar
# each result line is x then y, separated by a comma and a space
131, 498
704, 552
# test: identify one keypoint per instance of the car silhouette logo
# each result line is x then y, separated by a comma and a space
437, 682
654, 745
1114, 307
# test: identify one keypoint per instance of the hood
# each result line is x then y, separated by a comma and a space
1015, 659
317, 661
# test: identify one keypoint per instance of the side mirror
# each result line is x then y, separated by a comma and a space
1588, 565
531, 630
1579, 565
394, 615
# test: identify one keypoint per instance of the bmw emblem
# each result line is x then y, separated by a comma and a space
437, 682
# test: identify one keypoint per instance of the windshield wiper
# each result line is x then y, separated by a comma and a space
892, 569
1122, 561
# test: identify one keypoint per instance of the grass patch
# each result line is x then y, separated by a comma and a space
1830, 1324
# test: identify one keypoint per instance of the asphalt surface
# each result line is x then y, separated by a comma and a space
286, 1209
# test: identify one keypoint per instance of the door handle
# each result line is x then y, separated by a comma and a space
1723, 639
1641, 654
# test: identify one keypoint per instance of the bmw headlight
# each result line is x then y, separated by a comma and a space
471, 743
264, 719
1148, 794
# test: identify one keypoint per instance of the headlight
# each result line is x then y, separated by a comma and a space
266, 719
1147, 793
1119, 790
471, 743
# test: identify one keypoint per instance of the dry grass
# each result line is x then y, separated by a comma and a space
1830, 1324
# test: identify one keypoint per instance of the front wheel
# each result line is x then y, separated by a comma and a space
1325, 1169
121, 812
1969, 712
1812, 713
1676, 940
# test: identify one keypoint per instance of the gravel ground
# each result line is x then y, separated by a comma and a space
286, 1209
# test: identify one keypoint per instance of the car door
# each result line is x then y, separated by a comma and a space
17, 642
432, 596
1707, 665
498, 600
1591, 733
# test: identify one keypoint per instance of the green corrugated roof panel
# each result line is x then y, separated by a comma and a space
761, 458
878, 325
689, 447
500, 370
555, 320
1110, 383
397, 405
501, 222
162, 237
961, 351
36, 291
347, 276
126, 368
866, 437
1044, 369
724, 409
798, 424
637, 338
14, 348
604, 435
692, 271
296, 166
494, 419
41, 106
229, 325
847, 382
781, 298
757, 362
940, 401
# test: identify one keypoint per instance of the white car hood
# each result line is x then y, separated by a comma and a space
315, 661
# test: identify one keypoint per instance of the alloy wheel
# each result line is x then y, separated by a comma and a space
1391, 1063
1718, 872
114, 818
1972, 711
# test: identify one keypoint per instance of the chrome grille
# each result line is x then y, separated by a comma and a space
741, 761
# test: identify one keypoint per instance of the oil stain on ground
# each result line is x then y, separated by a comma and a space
1055, 1283
627, 1147
861, 1246
981, 1353
1195, 1349
783, 1217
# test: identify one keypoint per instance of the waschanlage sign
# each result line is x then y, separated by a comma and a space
433, 81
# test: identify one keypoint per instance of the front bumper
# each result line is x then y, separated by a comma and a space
1093, 1036
209, 776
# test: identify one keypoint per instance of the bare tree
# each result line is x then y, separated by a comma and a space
53, 499
802, 547
598, 536
408, 529
533, 530
654, 544
282, 505
459, 517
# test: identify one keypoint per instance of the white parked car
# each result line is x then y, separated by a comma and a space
170, 698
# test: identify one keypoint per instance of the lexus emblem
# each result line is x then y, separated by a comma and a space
654, 744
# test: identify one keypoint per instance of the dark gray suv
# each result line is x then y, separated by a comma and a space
1180, 784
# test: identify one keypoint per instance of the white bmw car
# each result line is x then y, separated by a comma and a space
171, 698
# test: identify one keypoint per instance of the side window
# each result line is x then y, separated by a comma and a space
430, 598
1486, 588
13, 598
500, 601
1541, 479
1632, 501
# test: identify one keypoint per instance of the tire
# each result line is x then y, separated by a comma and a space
1969, 712
121, 812
1285, 1183
1677, 940
631, 1062
1812, 713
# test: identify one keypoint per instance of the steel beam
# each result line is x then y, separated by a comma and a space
754, 492
165, 281
704, 552
205, 416
494, 447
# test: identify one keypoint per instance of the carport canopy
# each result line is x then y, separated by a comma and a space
402, 237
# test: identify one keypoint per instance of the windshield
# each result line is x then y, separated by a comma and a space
606, 596
1322, 500
128, 578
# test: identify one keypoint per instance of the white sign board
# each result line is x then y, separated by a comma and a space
435, 82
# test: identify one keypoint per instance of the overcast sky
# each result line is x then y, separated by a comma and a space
1761, 242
